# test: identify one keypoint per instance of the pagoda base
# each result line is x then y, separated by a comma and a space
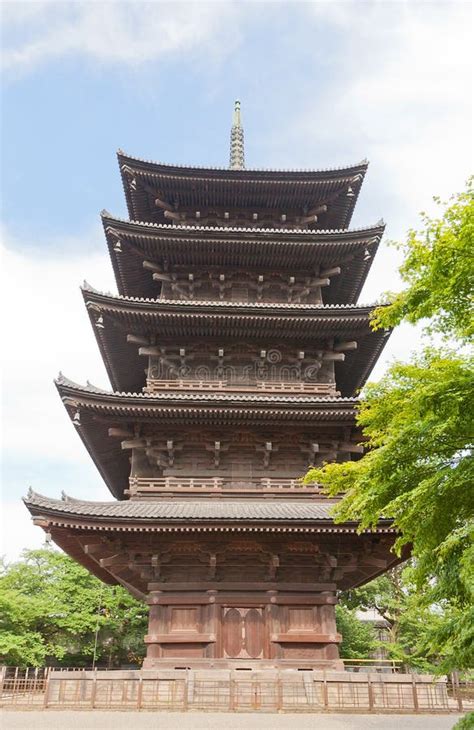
243, 629
242, 665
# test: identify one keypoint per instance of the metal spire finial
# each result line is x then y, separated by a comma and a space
237, 157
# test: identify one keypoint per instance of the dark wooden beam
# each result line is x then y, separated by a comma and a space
138, 340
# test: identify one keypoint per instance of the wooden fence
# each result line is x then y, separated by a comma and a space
226, 690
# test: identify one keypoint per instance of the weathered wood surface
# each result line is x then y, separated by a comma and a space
227, 689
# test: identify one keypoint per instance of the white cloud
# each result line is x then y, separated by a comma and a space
113, 32
18, 531
46, 330
398, 91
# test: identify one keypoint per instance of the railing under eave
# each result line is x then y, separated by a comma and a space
260, 386
160, 486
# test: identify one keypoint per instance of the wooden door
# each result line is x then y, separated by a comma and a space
243, 632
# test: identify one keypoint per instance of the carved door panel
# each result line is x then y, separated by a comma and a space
232, 632
254, 633
243, 633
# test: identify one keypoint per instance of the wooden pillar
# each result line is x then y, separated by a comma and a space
154, 623
211, 625
271, 625
327, 613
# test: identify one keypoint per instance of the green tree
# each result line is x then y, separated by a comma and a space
418, 427
51, 608
465, 723
20, 644
358, 637
438, 268
395, 597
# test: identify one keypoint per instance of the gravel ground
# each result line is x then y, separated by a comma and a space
59, 720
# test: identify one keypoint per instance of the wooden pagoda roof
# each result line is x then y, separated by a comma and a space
94, 411
96, 533
254, 248
231, 406
158, 514
228, 321
198, 187
174, 510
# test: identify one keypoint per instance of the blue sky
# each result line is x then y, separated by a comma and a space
322, 84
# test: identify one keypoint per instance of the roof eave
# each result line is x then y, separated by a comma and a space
74, 520
147, 228
69, 390
101, 340
114, 489
181, 306
128, 165
240, 174
372, 361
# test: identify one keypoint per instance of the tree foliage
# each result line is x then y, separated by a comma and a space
465, 723
358, 637
438, 268
395, 597
418, 427
51, 607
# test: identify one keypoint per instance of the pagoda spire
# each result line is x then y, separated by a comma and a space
237, 156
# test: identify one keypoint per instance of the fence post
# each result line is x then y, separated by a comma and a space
2, 678
325, 691
231, 691
416, 706
279, 692
456, 689
46, 687
15, 683
370, 691
94, 689
256, 694
140, 692
185, 682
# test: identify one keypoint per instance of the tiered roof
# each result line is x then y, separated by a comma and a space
94, 411
200, 513
281, 190
185, 320
253, 248
77, 525
152, 190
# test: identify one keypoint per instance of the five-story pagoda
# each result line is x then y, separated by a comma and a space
234, 350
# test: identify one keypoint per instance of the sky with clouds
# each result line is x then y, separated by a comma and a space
322, 84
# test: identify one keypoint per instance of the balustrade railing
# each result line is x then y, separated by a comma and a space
258, 386
148, 486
